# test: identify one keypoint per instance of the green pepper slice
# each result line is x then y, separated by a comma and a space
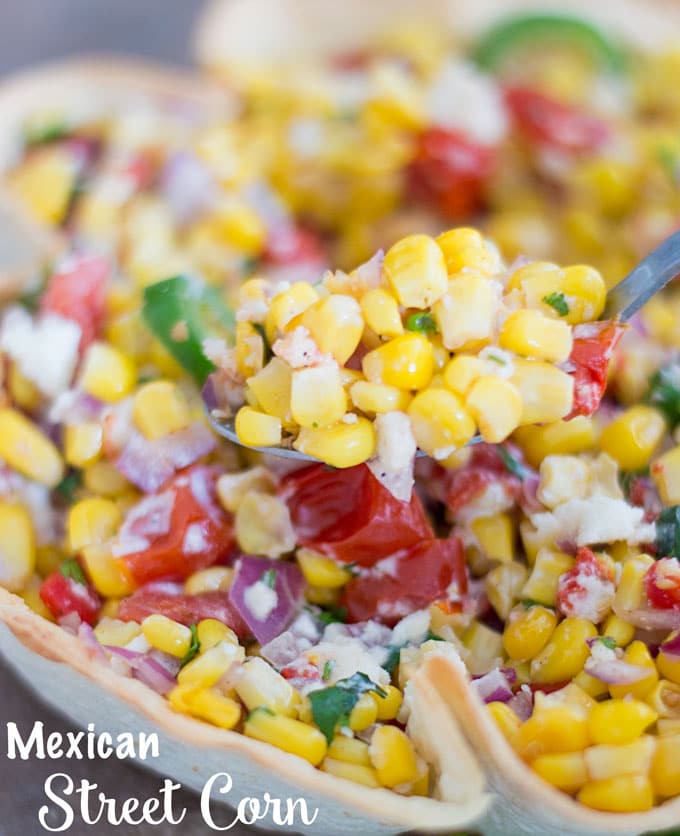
530, 29
181, 313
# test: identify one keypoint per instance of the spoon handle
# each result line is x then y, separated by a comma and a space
652, 274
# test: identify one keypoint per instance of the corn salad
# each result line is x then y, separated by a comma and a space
295, 607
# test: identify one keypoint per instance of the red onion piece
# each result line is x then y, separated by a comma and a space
493, 687
152, 673
287, 586
70, 622
649, 619
615, 671
522, 704
209, 393
150, 517
672, 647
88, 638
188, 187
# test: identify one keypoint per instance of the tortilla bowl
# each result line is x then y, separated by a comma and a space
68, 676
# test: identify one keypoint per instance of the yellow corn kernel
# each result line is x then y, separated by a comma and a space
531, 334
359, 773
406, 362
23, 392
31, 597
466, 313
160, 408
206, 669
668, 726
527, 631
624, 794
571, 694
349, 750
82, 443
104, 478
364, 713
108, 574
416, 271
545, 575
440, 423
317, 397
211, 632
342, 445
558, 438
619, 721
553, 730
668, 665
18, 552
393, 756
495, 535
285, 733
621, 631
239, 226
535, 280
496, 406
336, 325
233, 487
630, 589
665, 699
566, 771
591, 686
381, 313
637, 654
462, 371
485, 646
249, 349
27, 449
585, 291
609, 761
388, 707
258, 684
632, 438
532, 540
262, 525
507, 721
320, 570
167, 635
44, 182
115, 633
107, 373
454, 243
322, 596
378, 398
503, 584
209, 580
92, 521
665, 472
257, 429
566, 652
286, 306
210, 705
665, 769
547, 392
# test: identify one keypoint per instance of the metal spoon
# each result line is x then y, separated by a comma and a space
650, 276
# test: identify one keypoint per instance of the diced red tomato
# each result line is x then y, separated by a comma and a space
289, 245
349, 515
78, 293
548, 122
168, 556
63, 595
485, 467
416, 578
662, 584
186, 609
534, 687
450, 171
594, 344
587, 589
301, 670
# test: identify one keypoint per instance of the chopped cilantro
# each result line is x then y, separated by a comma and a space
512, 465
668, 532
351, 568
72, 570
421, 323
327, 670
269, 578
664, 393
432, 637
392, 660
607, 641
332, 706
194, 647
47, 132
69, 485
627, 479
494, 358
557, 301
268, 353
332, 615
31, 299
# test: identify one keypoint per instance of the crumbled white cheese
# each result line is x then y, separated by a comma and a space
461, 98
599, 519
306, 136
348, 656
219, 353
45, 350
195, 540
261, 600
499, 362
590, 597
252, 310
410, 630
392, 464
492, 500
299, 350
